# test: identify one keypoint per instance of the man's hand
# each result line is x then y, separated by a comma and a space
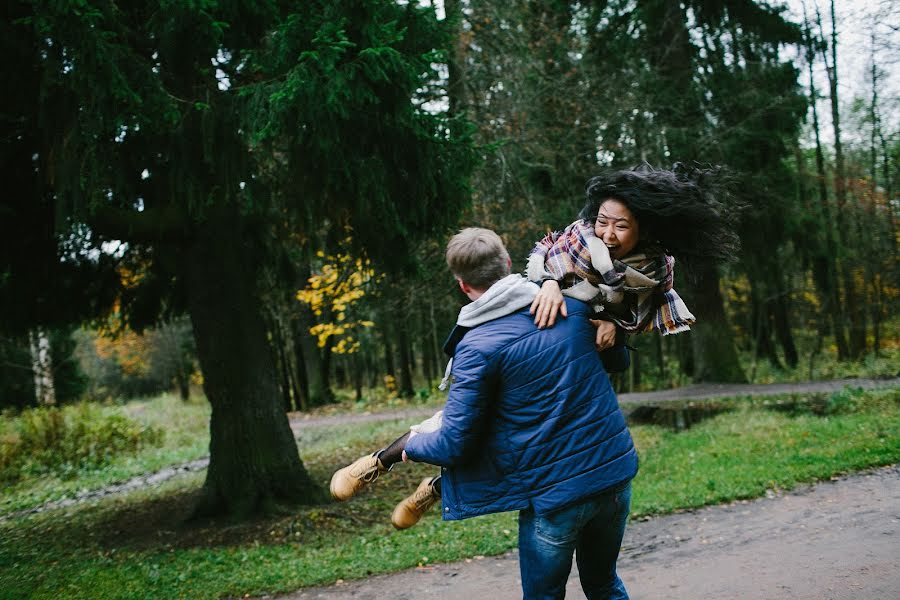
606, 334
548, 302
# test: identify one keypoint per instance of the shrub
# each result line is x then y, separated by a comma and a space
70, 439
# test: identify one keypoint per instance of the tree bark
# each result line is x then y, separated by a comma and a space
761, 327
782, 321
857, 336
660, 359
388, 347
287, 385
715, 355
456, 57
825, 267
253, 461
406, 382
318, 388
358, 374
427, 351
42, 367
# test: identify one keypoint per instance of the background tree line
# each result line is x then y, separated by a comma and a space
281, 178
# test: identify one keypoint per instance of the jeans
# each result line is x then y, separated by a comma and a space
594, 528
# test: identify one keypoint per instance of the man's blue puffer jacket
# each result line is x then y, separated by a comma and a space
531, 420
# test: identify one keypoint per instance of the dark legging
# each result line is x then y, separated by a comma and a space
394, 454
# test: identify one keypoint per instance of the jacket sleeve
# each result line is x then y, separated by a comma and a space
464, 413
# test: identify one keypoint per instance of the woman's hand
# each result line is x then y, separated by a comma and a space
548, 302
606, 334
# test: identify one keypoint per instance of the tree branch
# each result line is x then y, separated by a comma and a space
167, 223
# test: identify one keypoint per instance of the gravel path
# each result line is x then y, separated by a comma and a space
837, 540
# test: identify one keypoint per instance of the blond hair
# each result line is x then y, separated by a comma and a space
478, 257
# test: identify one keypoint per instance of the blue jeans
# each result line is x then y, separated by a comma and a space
594, 528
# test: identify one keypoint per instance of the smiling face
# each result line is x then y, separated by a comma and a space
617, 226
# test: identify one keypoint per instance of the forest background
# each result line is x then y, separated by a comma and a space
254, 197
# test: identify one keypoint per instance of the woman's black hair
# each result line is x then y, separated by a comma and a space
685, 211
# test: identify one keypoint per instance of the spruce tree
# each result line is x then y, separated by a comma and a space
180, 133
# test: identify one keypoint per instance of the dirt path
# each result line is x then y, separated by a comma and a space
837, 540
701, 391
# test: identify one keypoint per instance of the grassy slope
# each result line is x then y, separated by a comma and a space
134, 546
188, 440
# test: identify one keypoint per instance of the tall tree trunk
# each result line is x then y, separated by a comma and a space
873, 276
253, 461
406, 382
686, 357
857, 337
358, 374
183, 380
635, 371
456, 57
825, 265
288, 388
389, 369
318, 388
761, 327
42, 367
325, 369
289, 352
660, 359
427, 351
437, 352
782, 321
779, 313
715, 355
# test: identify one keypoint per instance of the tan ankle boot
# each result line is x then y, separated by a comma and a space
411, 508
346, 482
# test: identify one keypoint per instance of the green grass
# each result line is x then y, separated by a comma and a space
187, 441
137, 546
744, 453
827, 366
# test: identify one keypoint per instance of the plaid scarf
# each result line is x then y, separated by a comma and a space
636, 292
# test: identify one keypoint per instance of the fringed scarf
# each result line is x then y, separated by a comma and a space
635, 292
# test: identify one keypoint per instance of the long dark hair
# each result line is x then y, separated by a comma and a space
684, 211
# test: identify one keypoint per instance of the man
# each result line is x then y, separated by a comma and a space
531, 424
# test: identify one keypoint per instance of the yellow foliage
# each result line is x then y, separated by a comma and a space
127, 348
129, 277
331, 294
390, 383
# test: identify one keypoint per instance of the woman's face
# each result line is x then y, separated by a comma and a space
617, 226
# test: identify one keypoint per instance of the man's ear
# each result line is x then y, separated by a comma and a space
509, 263
464, 286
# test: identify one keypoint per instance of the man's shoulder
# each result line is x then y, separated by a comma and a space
517, 327
516, 322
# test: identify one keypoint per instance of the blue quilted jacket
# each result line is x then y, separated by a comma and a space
531, 420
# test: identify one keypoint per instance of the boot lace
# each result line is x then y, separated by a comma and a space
367, 472
423, 499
